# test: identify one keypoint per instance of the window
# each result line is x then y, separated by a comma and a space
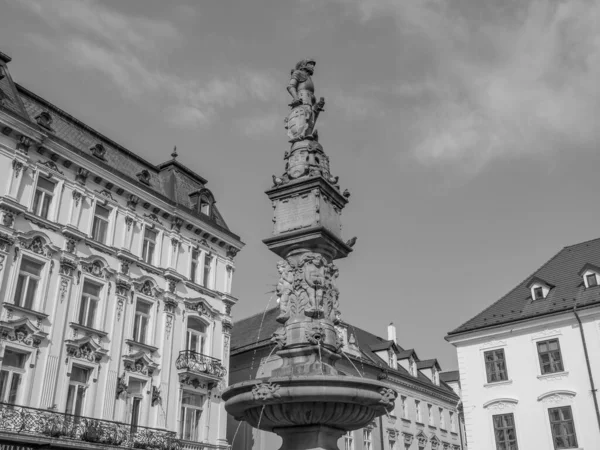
430, 415
100, 226
403, 407
495, 366
442, 419
204, 206
563, 428
452, 422
43, 197
418, 411
11, 376
412, 366
149, 246
538, 292
391, 358
191, 411
141, 322
392, 440
207, 270
349, 441
505, 432
78, 383
27, 283
550, 357
367, 439
436, 376
196, 336
135, 395
195, 265
89, 304
592, 280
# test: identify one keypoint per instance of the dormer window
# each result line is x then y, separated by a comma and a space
412, 366
539, 288
538, 292
202, 201
591, 280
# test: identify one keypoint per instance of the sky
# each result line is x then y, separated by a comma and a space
467, 131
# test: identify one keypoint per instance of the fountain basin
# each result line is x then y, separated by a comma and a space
342, 402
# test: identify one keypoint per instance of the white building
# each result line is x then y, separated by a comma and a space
530, 363
115, 276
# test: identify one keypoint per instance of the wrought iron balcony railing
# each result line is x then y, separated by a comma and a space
54, 425
201, 364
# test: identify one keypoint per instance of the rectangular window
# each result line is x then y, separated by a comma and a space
100, 225
550, 357
538, 293
141, 322
505, 432
563, 428
349, 441
403, 407
90, 298
149, 246
430, 415
442, 419
207, 270
452, 422
11, 376
367, 439
27, 283
418, 411
196, 336
191, 411
78, 384
42, 200
195, 266
495, 366
592, 280
135, 392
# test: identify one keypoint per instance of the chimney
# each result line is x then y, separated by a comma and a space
392, 332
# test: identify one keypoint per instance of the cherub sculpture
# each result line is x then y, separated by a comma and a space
285, 287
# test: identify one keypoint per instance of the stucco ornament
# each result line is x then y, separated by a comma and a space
301, 121
279, 338
266, 391
387, 397
308, 287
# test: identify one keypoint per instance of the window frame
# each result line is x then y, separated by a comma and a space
183, 411
349, 440
202, 336
591, 276
195, 265
403, 407
78, 385
491, 365
144, 254
442, 419
12, 370
367, 438
36, 204
107, 220
41, 281
130, 402
571, 421
541, 364
538, 292
418, 412
149, 316
430, 418
505, 430
99, 303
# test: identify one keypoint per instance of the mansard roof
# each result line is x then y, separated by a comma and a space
450, 376
562, 272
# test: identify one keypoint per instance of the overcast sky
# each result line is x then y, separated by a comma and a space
467, 130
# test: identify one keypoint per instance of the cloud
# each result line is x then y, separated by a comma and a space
125, 48
261, 124
494, 82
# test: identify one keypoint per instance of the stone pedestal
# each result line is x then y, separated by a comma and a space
309, 438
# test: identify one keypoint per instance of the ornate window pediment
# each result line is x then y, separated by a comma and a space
147, 286
557, 396
22, 331
199, 306
85, 348
435, 442
97, 266
139, 363
422, 439
500, 404
407, 438
37, 242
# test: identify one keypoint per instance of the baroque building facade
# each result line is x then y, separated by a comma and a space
426, 415
530, 363
115, 277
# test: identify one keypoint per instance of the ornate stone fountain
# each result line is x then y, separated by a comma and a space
306, 400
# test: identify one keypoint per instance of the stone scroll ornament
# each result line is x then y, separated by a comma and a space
300, 123
308, 288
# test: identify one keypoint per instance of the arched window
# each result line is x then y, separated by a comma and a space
204, 206
196, 336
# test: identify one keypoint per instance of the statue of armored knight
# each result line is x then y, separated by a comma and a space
300, 123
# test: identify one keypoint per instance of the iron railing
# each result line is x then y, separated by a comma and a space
55, 425
199, 363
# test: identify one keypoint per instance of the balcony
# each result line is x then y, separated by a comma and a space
50, 428
199, 367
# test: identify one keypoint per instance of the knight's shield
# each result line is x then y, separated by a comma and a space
298, 122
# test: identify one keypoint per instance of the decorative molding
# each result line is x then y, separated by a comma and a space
139, 362
557, 376
501, 404
266, 391
557, 396
99, 151
492, 344
546, 333
153, 217
51, 165
498, 383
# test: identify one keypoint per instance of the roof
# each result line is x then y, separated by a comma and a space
382, 346
256, 331
426, 364
405, 354
562, 272
450, 376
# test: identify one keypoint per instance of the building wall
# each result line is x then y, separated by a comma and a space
48, 333
386, 433
527, 393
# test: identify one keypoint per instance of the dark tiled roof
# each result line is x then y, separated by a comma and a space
405, 354
426, 364
562, 272
450, 376
381, 346
256, 331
